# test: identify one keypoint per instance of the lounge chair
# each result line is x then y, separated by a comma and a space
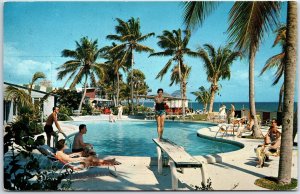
225, 128
75, 167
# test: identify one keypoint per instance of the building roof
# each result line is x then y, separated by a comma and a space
23, 87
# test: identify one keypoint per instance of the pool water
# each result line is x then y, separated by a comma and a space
134, 138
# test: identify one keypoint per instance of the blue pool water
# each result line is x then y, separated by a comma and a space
134, 138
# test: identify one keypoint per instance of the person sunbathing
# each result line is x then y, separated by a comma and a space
248, 127
77, 157
270, 146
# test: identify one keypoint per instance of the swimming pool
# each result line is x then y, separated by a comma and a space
134, 138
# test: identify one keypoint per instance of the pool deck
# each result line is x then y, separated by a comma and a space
228, 171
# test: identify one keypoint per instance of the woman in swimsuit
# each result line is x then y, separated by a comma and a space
160, 112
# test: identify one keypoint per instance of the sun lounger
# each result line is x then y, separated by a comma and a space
226, 128
76, 167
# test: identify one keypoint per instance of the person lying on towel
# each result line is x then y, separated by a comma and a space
77, 157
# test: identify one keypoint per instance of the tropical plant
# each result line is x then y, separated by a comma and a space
175, 77
139, 83
217, 65
202, 96
82, 66
264, 15
277, 61
113, 60
175, 45
20, 166
68, 99
249, 20
129, 35
36, 76
286, 148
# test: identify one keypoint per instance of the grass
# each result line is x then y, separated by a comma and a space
199, 117
272, 184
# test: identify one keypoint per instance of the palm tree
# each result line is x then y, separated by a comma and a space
35, 77
278, 61
82, 66
129, 35
139, 83
21, 97
249, 21
175, 46
175, 77
202, 96
217, 65
266, 16
114, 61
286, 148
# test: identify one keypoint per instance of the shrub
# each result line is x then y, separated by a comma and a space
206, 187
22, 170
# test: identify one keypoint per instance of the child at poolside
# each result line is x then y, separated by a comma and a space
111, 118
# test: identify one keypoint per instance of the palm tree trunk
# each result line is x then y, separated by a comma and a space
205, 108
256, 131
212, 99
137, 93
132, 81
280, 98
181, 88
118, 88
184, 94
286, 149
83, 95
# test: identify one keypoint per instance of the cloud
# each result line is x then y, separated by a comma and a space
19, 69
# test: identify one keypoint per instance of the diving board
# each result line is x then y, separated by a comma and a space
179, 158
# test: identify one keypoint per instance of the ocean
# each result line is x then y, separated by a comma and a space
260, 106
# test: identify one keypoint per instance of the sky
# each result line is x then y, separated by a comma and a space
35, 33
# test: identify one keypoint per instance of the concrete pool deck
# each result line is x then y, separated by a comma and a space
233, 170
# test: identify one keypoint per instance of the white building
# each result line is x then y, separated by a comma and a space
10, 108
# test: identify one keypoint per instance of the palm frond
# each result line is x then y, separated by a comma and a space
163, 53
280, 35
164, 70
142, 48
195, 12
279, 73
249, 20
144, 37
69, 78
69, 53
275, 61
19, 95
77, 78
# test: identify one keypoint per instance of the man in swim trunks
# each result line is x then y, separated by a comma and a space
48, 127
160, 112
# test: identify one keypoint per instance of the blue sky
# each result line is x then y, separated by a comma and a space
35, 33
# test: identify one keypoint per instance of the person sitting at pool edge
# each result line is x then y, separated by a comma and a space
77, 157
111, 117
79, 145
